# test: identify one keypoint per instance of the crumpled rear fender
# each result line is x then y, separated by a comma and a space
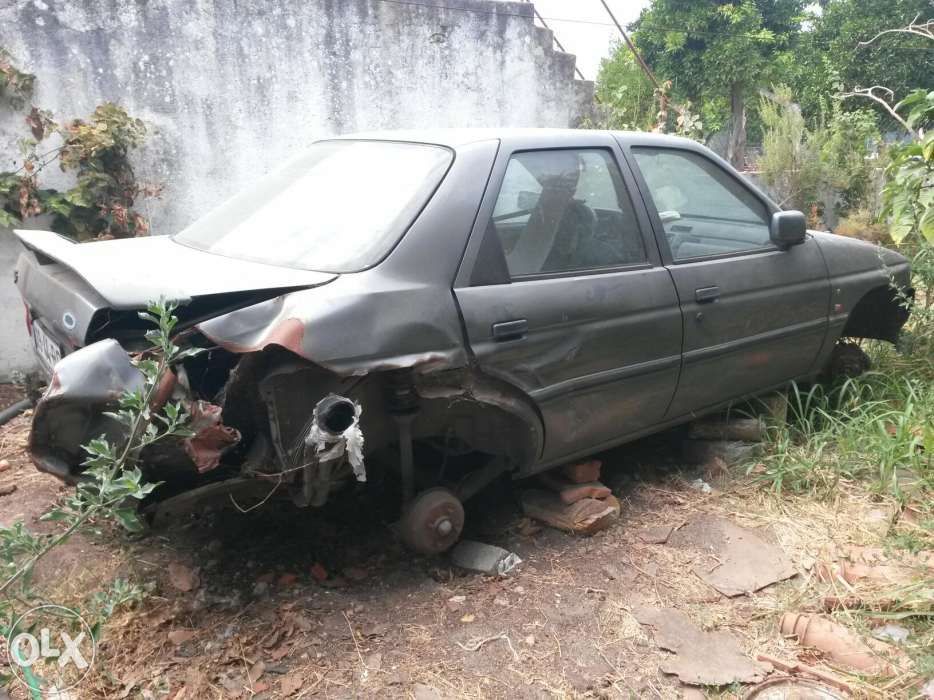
359, 324
84, 385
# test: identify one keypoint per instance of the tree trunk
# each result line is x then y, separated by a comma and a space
736, 149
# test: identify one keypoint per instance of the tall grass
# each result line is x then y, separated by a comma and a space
878, 427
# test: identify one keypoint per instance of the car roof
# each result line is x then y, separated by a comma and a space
454, 138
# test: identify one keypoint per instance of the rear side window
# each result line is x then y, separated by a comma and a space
339, 207
704, 209
565, 210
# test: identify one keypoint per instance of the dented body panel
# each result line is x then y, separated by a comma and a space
409, 346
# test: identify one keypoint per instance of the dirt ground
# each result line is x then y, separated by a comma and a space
280, 602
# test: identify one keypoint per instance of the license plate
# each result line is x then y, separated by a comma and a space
47, 349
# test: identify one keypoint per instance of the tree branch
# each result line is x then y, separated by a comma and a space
886, 105
926, 30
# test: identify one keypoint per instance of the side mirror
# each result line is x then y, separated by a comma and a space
788, 228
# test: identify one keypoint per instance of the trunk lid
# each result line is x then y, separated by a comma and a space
74, 291
130, 272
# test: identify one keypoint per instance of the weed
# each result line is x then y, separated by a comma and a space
878, 427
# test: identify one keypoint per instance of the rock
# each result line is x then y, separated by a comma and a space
701, 485
741, 561
657, 534
571, 492
484, 558
585, 517
892, 633
4, 465
701, 658
583, 472
7, 489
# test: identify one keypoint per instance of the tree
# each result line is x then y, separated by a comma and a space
838, 52
624, 91
718, 53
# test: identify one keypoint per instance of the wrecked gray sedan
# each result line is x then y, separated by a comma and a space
449, 306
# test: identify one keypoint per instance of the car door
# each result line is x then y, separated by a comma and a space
754, 316
563, 294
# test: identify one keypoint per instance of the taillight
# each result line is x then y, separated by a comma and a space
28, 320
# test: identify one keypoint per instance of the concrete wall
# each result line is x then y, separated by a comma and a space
230, 88
15, 348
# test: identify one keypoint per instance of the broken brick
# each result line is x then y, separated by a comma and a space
585, 517
571, 492
583, 472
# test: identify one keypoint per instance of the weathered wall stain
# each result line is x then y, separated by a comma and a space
233, 88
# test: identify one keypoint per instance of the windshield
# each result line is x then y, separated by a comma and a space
339, 207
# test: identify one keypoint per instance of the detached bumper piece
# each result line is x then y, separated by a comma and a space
87, 384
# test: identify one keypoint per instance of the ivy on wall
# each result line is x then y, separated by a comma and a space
96, 149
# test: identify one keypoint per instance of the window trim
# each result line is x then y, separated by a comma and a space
649, 203
608, 149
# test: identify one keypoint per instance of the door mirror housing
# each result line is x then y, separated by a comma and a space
787, 228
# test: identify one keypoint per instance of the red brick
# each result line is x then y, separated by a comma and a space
570, 492
583, 472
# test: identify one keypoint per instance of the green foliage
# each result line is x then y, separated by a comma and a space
909, 189
624, 93
103, 604
16, 86
877, 427
96, 150
830, 55
705, 47
112, 485
790, 164
800, 164
849, 149
715, 53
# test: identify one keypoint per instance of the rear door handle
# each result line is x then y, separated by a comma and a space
705, 295
510, 330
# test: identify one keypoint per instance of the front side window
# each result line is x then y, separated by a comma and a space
565, 210
703, 209
339, 207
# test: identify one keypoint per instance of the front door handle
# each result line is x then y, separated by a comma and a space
510, 330
706, 295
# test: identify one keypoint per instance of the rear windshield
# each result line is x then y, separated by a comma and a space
339, 207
